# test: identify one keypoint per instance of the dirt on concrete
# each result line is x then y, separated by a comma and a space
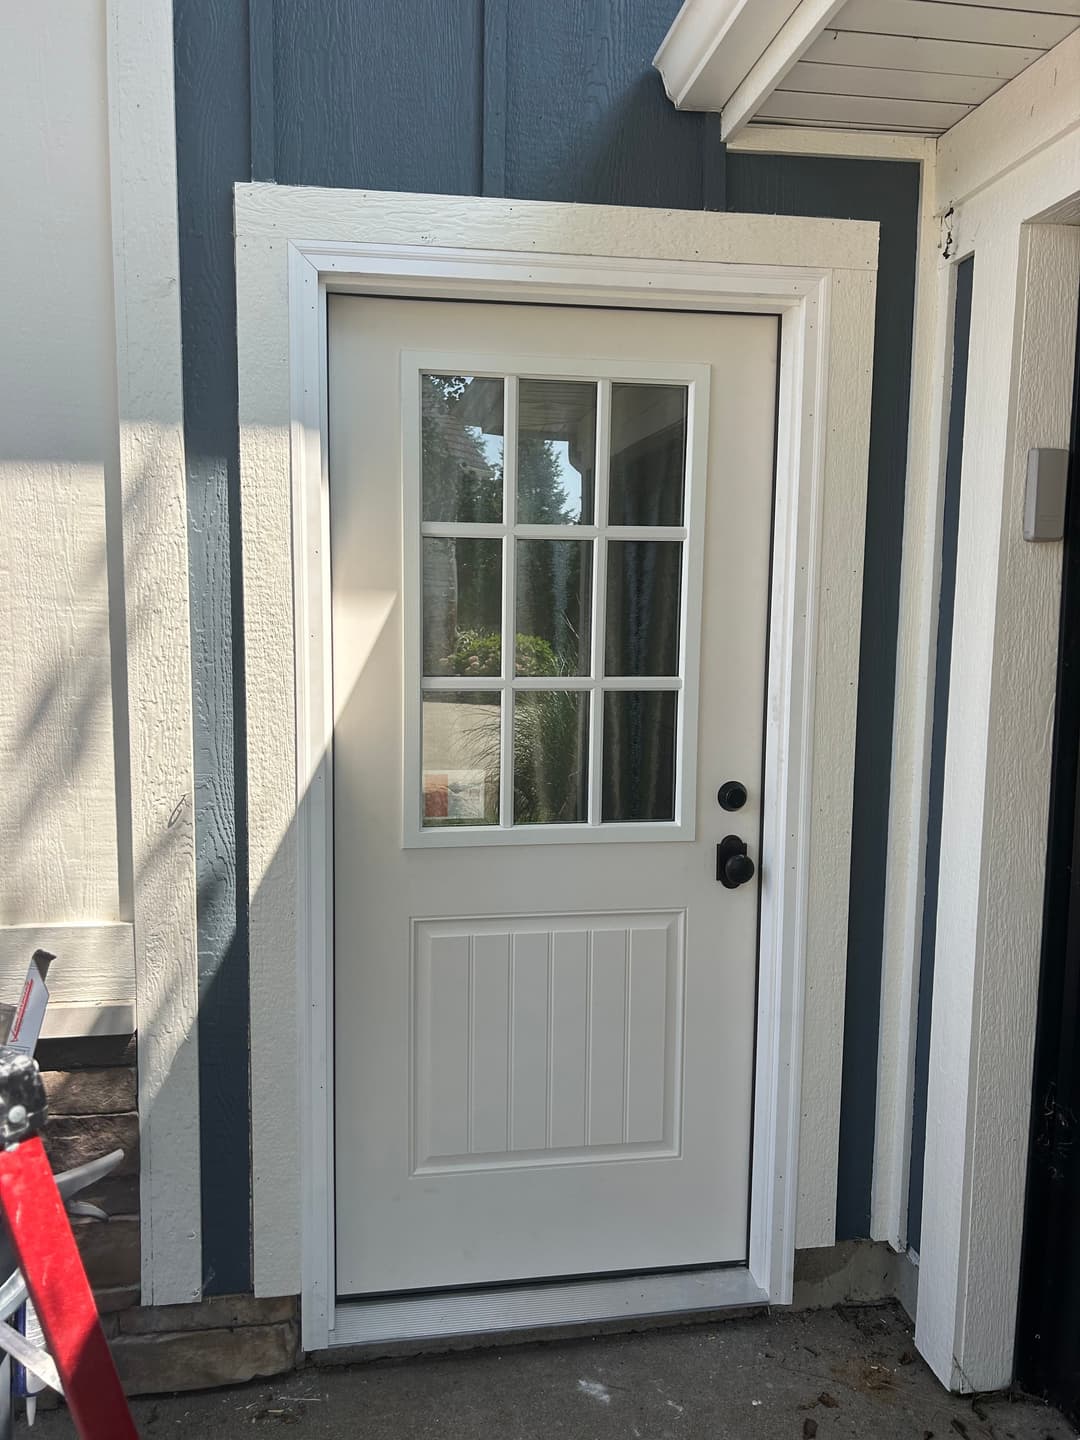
814, 1375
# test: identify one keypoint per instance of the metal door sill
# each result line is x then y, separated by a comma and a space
537, 1307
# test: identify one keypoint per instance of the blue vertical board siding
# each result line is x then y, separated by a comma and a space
950, 529
586, 115
379, 96
212, 119
552, 101
886, 191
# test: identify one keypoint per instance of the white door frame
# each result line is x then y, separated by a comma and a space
820, 277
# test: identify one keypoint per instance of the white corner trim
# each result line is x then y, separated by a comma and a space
712, 44
844, 144
1001, 709
142, 158
1024, 117
820, 275
912, 724
783, 52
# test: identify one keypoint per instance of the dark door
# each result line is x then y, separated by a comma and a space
1048, 1327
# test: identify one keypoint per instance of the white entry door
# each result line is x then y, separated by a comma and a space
550, 542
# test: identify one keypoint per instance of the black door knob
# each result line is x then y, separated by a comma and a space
733, 865
738, 869
731, 795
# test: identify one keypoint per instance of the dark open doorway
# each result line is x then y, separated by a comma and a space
1048, 1325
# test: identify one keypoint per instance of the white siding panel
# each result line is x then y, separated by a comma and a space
93, 964
918, 52
1039, 7
868, 81
982, 24
922, 115
58, 832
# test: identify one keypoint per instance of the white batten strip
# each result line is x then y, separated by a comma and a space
146, 277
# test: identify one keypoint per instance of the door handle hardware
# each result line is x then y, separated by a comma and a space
731, 795
733, 865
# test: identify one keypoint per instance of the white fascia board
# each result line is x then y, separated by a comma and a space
713, 44
791, 42
1038, 107
842, 144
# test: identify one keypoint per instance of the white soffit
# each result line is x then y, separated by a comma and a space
914, 66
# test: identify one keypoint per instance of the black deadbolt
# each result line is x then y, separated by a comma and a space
733, 865
731, 795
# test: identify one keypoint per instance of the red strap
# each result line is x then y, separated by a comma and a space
50, 1263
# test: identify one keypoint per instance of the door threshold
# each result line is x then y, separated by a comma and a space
539, 1307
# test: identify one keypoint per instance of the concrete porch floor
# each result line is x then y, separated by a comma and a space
812, 1375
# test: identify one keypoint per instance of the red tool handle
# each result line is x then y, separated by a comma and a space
53, 1270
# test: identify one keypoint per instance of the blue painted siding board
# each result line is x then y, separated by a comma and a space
887, 191
379, 96
212, 120
261, 81
494, 97
587, 117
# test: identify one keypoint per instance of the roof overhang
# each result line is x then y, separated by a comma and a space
903, 66
730, 55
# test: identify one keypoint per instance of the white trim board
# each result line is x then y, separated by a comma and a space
146, 280
1001, 686
91, 981
1002, 692
505, 1309
1017, 123
916, 639
931, 370
845, 144
989, 917
820, 276
712, 44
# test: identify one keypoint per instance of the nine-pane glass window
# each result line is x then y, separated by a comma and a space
552, 609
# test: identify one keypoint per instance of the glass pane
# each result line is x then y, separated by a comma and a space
462, 603
551, 757
462, 448
556, 452
639, 755
554, 606
643, 601
648, 454
461, 757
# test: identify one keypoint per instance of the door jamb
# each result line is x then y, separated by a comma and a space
822, 448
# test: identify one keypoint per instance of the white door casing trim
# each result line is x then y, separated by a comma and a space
820, 276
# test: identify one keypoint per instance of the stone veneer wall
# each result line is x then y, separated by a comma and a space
92, 1090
